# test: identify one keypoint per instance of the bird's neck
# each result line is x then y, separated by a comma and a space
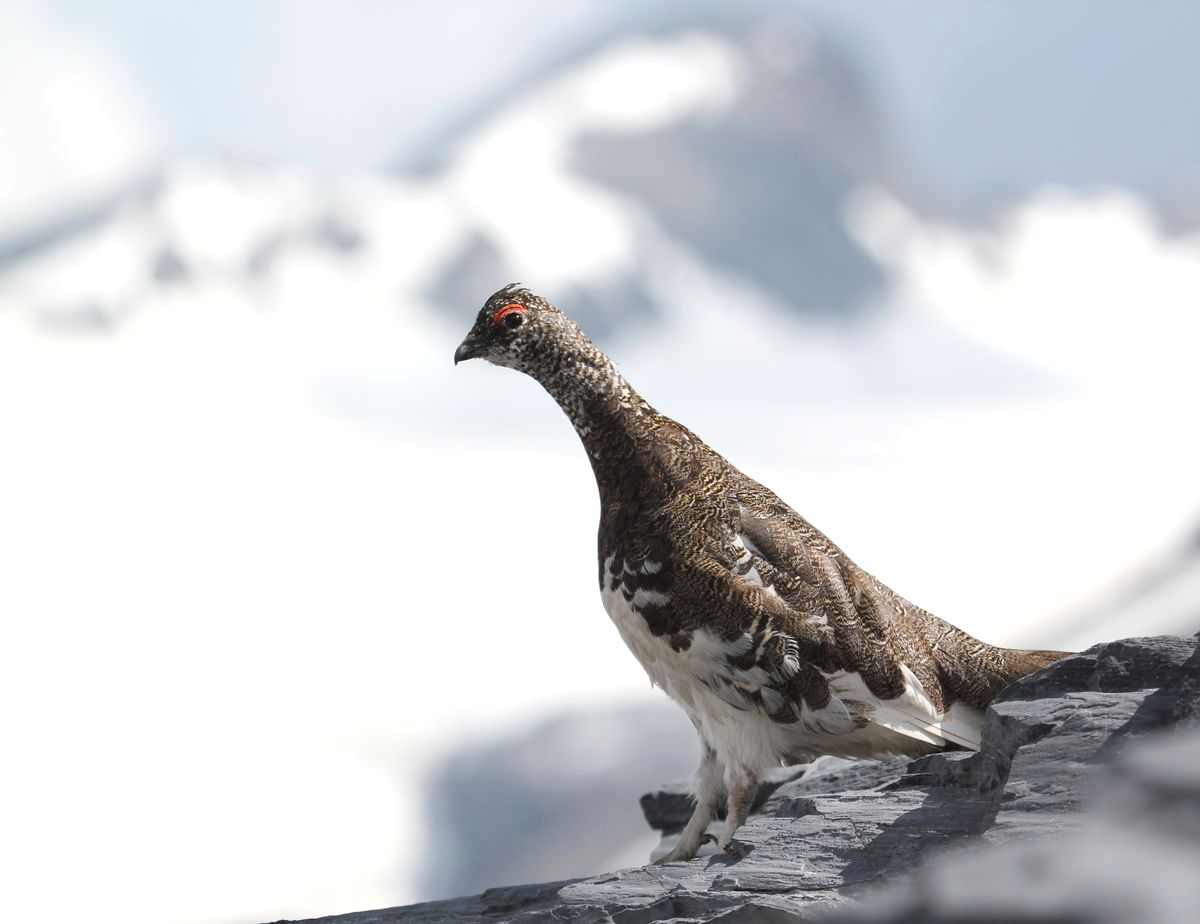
602, 406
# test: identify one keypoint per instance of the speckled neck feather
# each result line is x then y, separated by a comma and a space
609, 416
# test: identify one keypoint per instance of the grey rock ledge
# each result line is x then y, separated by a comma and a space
1110, 736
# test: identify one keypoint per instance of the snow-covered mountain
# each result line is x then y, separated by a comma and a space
733, 145
656, 185
736, 142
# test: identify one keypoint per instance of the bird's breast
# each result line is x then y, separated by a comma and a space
678, 660
636, 591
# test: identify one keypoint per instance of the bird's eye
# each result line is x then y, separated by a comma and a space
510, 316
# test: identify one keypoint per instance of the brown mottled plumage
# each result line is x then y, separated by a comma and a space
776, 644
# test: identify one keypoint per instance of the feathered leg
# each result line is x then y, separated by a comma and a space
708, 785
741, 795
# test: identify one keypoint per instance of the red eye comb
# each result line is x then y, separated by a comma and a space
505, 311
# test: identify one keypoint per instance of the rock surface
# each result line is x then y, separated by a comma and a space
1083, 805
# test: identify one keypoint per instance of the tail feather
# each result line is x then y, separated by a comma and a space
975, 672
1022, 662
1008, 666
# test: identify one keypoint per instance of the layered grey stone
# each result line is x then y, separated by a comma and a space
1083, 805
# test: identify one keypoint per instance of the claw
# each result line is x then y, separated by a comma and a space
681, 851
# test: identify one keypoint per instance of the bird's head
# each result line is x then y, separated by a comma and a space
518, 329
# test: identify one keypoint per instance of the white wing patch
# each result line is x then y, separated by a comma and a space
744, 566
748, 544
642, 597
912, 713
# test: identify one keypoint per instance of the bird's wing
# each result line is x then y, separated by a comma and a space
753, 652
823, 643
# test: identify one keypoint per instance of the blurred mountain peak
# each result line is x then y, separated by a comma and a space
734, 140
724, 143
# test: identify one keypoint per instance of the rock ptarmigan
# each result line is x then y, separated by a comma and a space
777, 646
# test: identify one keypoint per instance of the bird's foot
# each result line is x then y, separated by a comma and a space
731, 851
680, 852
686, 849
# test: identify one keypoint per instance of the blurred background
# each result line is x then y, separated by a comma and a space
277, 642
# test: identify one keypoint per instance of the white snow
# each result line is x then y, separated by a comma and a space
512, 178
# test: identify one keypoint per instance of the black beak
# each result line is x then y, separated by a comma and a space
468, 349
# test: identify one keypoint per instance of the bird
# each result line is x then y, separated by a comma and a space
777, 646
